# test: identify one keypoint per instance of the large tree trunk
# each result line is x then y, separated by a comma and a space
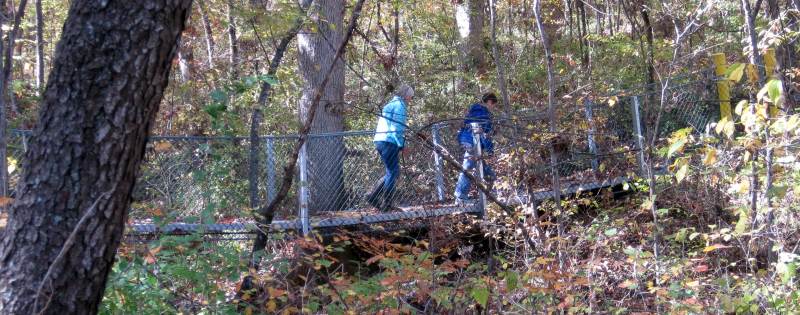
469, 20
110, 70
325, 155
39, 47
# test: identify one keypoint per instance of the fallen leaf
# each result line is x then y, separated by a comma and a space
273, 293
714, 247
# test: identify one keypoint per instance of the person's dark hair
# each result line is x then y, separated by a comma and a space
489, 97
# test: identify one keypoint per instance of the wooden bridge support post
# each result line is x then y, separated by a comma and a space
770, 63
269, 163
592, 145
437, 159
477, 132
303, 192
723, 86
637, 124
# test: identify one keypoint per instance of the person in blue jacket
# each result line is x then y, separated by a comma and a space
389, 142
480, 113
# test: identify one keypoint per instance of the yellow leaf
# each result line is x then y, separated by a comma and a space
714, 247
735, 72
682, 172
761, 110
612, 101
271, 306
693, 284
740, 107
711, 156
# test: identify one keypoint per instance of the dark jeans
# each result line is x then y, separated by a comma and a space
390, 155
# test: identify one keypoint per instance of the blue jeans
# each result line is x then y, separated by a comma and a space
464, 185
390, 155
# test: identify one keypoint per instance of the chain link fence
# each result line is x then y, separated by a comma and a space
190, 180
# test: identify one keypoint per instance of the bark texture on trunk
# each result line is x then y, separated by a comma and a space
316, 52
110, 70
233, 45
469, 20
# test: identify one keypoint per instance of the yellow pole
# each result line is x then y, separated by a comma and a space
723, 86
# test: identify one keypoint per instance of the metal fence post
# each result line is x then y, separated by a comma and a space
270, 165
437, 159
477, 132
639, 138
303, 193
592, 145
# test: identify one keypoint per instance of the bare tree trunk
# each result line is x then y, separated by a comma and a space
583, 30
325, 155
651, 69
98, 108
501, 76
39, 48
5, 91
8, 65
207, 32
233, 45
755, 58
185, 60
551, 113
263, 98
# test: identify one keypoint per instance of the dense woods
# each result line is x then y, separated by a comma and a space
117, 113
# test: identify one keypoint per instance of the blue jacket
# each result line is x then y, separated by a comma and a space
392, 123
481, 114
